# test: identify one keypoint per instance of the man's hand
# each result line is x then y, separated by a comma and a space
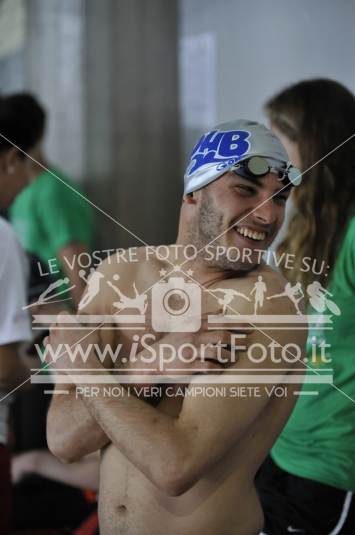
24, 464
186, 353
64, 338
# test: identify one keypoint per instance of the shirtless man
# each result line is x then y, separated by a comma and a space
186, 464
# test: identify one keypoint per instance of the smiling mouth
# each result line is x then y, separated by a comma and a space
251, 234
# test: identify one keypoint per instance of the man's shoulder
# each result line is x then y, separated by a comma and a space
128, 262
257, 286
120, 275
272, 280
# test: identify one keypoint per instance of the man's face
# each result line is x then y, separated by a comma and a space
238, 212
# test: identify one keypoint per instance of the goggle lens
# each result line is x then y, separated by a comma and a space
259, 166
294, 175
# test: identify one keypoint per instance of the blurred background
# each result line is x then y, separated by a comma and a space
130, 84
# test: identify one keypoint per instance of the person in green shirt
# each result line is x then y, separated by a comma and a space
306, 486
51, 217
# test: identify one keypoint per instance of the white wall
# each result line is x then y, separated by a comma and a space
263, 45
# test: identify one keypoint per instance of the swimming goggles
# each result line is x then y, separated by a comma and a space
258, 166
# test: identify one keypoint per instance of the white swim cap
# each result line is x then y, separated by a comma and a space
218, 150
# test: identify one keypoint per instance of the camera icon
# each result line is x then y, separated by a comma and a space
176, 306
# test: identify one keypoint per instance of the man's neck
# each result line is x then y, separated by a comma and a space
203, 271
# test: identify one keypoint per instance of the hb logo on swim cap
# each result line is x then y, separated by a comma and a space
227, 144
216, 146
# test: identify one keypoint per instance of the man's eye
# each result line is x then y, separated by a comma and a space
245, 190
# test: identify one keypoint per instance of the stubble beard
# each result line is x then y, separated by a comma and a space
209, 225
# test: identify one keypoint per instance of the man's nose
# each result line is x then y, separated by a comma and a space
265, 212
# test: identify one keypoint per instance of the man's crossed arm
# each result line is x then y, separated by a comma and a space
72, 431
174, 452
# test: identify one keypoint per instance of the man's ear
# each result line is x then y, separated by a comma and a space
190, 198
10, 160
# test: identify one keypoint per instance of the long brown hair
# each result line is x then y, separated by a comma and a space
318, 115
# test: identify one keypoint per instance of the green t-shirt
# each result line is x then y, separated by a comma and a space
318, 441
48, 215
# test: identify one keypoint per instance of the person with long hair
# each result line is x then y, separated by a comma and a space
306, 485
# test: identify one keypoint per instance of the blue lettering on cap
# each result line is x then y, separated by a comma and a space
217, 146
